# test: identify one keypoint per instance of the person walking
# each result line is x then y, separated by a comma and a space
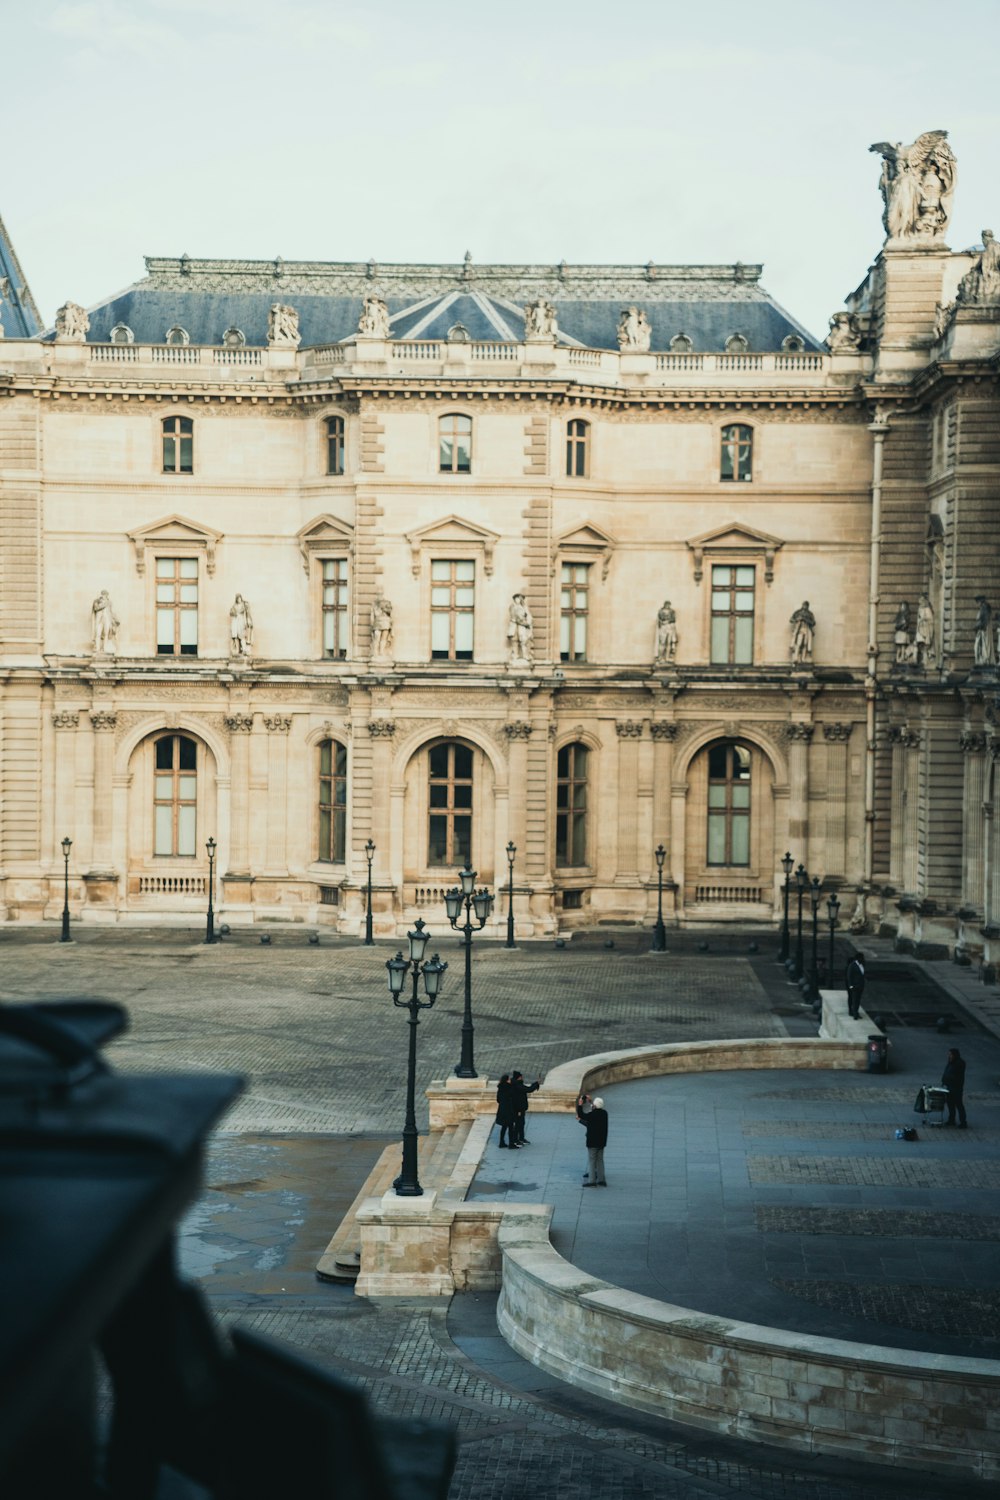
521, 1092
855, 984
953, 1079
506, 1112
595, 1122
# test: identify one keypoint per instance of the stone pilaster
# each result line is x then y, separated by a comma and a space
837, 738
66, 723
240, 726
103, 722
276, 858
798, 736
629, 736
974, 827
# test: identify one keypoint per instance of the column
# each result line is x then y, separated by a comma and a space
65, 723
381, 736
240, 726
798, 736
911, 846
104, 723
897, 804
629, 734
277, 726
662, 832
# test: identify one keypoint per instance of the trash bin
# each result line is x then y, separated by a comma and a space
878, 1054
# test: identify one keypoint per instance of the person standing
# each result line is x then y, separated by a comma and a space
595, 1122
953, 1079
506, 1114
521, 1091
855, 984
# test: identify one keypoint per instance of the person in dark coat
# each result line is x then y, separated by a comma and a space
506, 1112
595, 1122
855, 984
521, 1092
953, 1079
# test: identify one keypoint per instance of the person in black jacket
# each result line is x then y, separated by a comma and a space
953, 1079
595, 1122
521, 1092
506, 1114
855, 984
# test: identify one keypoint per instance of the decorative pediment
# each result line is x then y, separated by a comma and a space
176, 531
323, 534
735, 538
586, 540
454, 533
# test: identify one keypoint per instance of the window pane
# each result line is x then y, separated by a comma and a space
324, 833
463, 838
329, 632
440, 639
716, 839
189, 627
582, 756
741, 841
579, 841
439, 795
342, 764
716, 796
165, 628
463, 796
169, 460
164, 567
163, 838
185, 830
325, 751
189, 593
437, 845
463, 762
189, 567
564, 636
164, 754
440, 570
743, 644
441, 597
339, 835
561, 840
465, 598
464, 570
164, 788
744, 601
185, 424
580, 635
187, 787
720, 600
439, 760
721, 577
741, 796
165, 593
187, 455
187, 753
562, 762
720, 640
745, 577
463, 632
717, 762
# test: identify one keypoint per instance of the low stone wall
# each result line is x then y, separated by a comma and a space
838, 1024
811, 1394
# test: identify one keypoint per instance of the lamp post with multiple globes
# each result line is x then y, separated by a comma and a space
407, 1184
465, 897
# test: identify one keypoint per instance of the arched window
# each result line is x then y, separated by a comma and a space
455, 443
234, 338
121, 334
578, 448
681, 344
792, 344
737, 452
571, 805
335, 445
175, 795
332, 801
736, 344
178, 445
177, 335
728, 804
449, 822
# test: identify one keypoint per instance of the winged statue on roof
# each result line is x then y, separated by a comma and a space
917, 186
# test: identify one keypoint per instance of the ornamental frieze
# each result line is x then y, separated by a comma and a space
278, 723
799, 732
239, 723
629, 729
381, 729
103, 720
664, 731
65, 719
517, 729
837, 733
971, 742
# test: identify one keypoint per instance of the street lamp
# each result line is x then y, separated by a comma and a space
210, 918
659, 931
370, 854
511, 851
812, 984
67, 845
832, 908
407, 1184
466, 896
801, 881
786, 865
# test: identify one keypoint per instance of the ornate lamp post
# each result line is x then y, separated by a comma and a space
370, 855
798, 964
786, 865
832, 908
466, 896
812, 984
67, 845
210, 918
407, 1184
511, 851
659, 931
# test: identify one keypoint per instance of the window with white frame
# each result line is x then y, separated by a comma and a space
175, 795
177, 606
733, 605
336, 620
453, 602
574, 611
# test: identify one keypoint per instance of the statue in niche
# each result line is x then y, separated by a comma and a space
520, 630
104, 625
540, 320
984, 646
634, 331
283, 326
901, 633
72, 323
374, 320
803, 623
845, 335
981, 282
240, 627
381, 626
923, 635
917, 186
666, 634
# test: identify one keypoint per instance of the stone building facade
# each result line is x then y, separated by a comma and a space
589, 560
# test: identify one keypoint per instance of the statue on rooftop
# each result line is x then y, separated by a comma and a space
981, 282
283, 326
845, 335
72, 323
104, 625
374, 320
634, 331
540, 320
917, 186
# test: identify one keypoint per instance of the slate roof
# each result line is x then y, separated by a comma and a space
18, 312
707, 303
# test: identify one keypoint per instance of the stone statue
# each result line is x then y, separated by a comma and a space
72, 323
666, 634
917, 186
984, 647
923, 635
374, 320
943, 312
845, 335
240, 627
981, 283
520, 630
540, 320
901, 633
634, 330
104, 625
803, 623
381, 622
283, 326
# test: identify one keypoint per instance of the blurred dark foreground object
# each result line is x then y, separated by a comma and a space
95, 1171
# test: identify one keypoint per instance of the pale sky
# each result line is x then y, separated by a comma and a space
532, 130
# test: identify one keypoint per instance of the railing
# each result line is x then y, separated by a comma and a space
175, 354
743, 894
739, 361
680, 361
173, 885
428, 895
495, 351
589, 359
237, 356
418, 349
330, 354
124, 354
798, 361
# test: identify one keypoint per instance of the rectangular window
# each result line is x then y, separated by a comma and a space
335, 622
574, 605
177, 606
335, 445
332, 801
732, 614
178, 445
449, 823
453, 599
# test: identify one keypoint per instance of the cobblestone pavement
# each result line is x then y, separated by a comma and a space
896, 1223
973, 1315
871, 1171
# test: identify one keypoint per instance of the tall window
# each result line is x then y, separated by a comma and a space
177, 606
178, 445
332, 801
571, 805
732, 614
175, 795
449, 827
453, 600
335, 445
578, 449
737, 452
728, 805
455, 439
335, 622
574, 605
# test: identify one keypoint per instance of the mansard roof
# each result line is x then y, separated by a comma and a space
708, 304
17, 306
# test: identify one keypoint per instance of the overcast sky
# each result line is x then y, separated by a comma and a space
531, 130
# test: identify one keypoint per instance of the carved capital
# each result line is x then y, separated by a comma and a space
664, 731
837, 733
278, 723
103, 720
382, 729
971, 742
517, 729
799, 732
629, 729
900, 734
238, 723
66, 719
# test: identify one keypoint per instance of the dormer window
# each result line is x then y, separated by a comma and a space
234, 338
121, 334
736, 344
792, 344
681, 344
177, 336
